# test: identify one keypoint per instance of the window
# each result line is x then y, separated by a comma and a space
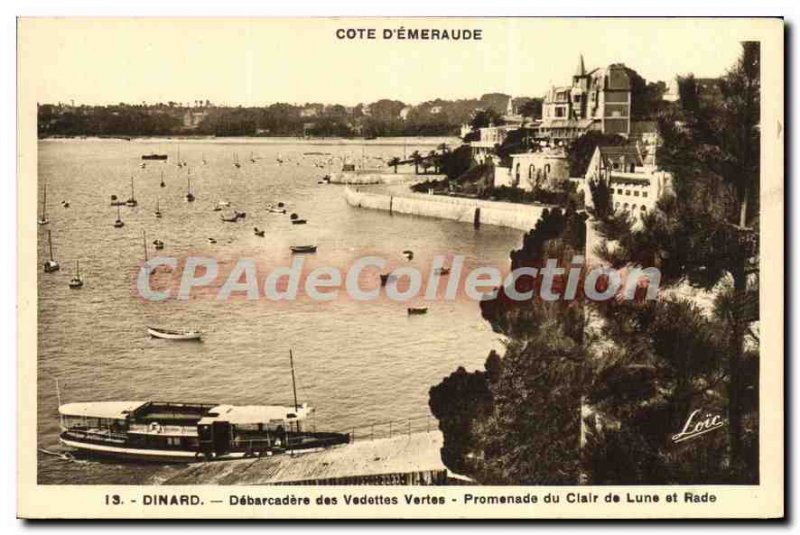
643, 209
644, 194
627, 192
619, 191
530, 171
635, 193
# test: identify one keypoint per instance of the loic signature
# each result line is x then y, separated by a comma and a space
696, 425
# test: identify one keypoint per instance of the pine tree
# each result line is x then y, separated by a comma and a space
706, 232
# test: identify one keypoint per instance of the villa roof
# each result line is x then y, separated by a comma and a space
615, 153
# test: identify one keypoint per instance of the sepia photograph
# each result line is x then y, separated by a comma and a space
490, 255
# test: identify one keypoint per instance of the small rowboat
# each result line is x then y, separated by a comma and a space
169, 334
303, 248
415, 311
299, 221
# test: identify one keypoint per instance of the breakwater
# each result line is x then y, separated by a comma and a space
474, 211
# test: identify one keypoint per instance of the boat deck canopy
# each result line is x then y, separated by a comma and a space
255, 414
113, 410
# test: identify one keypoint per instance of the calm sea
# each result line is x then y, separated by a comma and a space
357, 363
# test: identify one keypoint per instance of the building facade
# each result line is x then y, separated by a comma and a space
599, 99
635, 185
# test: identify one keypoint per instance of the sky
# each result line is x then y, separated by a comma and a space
260, 61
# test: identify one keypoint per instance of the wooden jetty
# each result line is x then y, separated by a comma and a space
407, 459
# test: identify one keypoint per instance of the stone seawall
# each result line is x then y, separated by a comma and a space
367, 178
474, 211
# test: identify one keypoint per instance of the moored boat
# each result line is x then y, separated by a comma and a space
132, 200
189, 195
303, 248
76, 282
119, 223
172, 334
154, 156
190, 432
50, 265
415, 311
153, 431
43, 218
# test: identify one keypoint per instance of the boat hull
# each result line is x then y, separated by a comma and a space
124, 452
167, 335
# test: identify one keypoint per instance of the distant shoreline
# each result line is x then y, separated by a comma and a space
275, 140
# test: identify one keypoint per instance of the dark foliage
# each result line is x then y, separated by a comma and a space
580, 151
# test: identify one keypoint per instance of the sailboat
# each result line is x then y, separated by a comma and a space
158, 211
236, 163
51, 265
76, 282
43, 218
180, 163
118, 223
203, 158
189, 194
162, 180
132, 201
252, 158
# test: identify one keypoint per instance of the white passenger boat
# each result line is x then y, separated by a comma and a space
156, 431
153, 431
170, 334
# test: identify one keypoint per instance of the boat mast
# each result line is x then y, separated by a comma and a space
294, 384
144, 242
78, 269
50, 243
44, 203
118, 216
58, 397
132, 195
